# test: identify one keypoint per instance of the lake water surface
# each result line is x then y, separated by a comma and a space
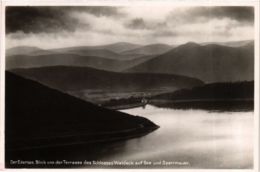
192, 139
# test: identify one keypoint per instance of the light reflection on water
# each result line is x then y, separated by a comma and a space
204, 139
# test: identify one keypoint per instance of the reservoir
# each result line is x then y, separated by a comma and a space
190, 139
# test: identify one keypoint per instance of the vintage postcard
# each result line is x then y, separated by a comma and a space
130, 85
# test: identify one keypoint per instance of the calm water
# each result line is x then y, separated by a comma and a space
192, 139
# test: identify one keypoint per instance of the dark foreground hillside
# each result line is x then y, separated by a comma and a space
215, 96
44, 124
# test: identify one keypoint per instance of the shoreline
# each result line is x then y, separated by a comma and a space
232, 105
192, 103
90, 138
127, 106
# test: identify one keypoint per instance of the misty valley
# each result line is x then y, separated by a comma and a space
181, 104
87, 72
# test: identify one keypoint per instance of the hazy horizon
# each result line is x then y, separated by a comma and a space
173, 45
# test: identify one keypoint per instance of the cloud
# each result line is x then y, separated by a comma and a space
51, 19
165, 33
241, 14
100, 10
203, 14
53, 27
141, 24
137, 23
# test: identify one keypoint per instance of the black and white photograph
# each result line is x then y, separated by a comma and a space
162, 86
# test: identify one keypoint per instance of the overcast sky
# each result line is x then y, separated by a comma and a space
52, 27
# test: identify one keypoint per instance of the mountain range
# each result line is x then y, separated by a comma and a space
116, 48
230, 43
209, 62
67, 59
150, 49
55, 98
